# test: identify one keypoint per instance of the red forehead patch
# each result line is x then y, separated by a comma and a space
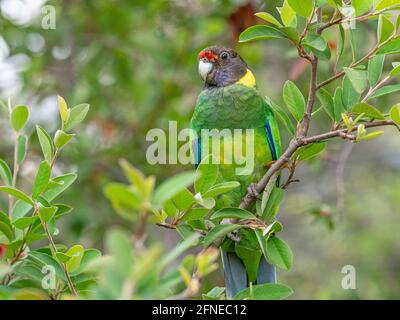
207, 54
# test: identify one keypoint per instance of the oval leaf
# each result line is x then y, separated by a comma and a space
19, 117
294, 100
5, 173
171, 187
17, 194
267, 291
279, 253
77, 115
260, 32
46, 143
368, 111
219, 231
395, 114
233, 213
42, 179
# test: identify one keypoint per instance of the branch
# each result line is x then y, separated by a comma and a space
360, 18
339, 133
295, 144
353, 65
305, 125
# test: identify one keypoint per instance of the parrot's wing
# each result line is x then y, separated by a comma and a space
195, 144
272, 131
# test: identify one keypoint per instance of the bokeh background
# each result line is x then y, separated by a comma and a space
135, 63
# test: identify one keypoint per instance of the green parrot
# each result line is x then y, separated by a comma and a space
230, 100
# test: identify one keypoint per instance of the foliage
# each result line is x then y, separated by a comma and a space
111, 54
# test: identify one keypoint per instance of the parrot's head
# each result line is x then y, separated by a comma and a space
220, 67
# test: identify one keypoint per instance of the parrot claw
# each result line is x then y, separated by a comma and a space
252, 190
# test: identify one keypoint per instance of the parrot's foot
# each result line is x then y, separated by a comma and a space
252, 190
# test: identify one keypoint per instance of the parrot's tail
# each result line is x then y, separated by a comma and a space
236, 276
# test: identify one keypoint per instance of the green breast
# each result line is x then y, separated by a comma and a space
233, 107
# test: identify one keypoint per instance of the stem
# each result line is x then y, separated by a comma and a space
15, 175
53, 249
354, 64
372, 90
305, 125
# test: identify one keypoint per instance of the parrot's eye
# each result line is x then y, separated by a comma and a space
224, 55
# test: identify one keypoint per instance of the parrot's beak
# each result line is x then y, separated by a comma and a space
205, 68
206, 63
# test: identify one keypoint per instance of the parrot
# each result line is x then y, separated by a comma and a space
230, 100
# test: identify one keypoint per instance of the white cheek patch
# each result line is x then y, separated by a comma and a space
204, 69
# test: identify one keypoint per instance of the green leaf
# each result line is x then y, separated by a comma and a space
183, 200
260, 32
5, 226
219, 231
368, 111
385, 90
119, 246
61, 139
288, 15
221, 188
362, 6
46, 260
385, 29
338, 104
396, 70
46, 143
310, 151
64, 181
47, 213
171, 187
269, 18
395, 114
25, 222
19, 117
77, 115
358, 78
294, 100
42, 179
316, 42
281, 115
208, 174
267, 291
390, 47
76, 253
195, 214
341, 42
233, 213
215, 293
303, 8
327, 102
353, 44
125, 200
5, 173
64, 110
135, 176
370, 136
383, 4
22, 148
17, 194
62, 257
180, 248
291, 33
279, 253
349, 96
273, 202
375, 67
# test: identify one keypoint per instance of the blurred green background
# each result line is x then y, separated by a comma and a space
135, 63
